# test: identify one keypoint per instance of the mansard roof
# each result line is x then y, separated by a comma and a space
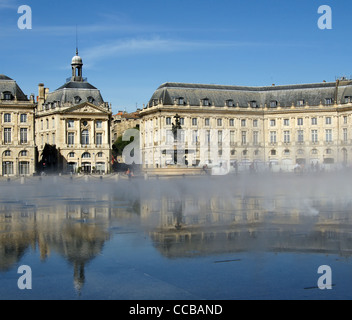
285, 95
8, 85
71, 90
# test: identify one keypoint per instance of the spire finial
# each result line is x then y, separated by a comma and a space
76, 41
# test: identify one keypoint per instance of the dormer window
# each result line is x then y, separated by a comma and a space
180, 101
253, 104
7, 95
77, 99
230, 103
328, 101
273, 104
348, 99
205, 102
90, 99
300, 103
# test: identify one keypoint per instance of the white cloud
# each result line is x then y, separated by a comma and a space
154, 45
8, 4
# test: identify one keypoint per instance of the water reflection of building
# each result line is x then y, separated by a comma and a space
76, 231
206, 225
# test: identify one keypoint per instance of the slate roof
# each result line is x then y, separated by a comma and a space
67, 93
9, 85
286, 95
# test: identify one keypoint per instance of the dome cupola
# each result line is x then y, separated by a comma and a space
77, 65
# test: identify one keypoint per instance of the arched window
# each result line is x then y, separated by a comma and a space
7, 117
86, 155
85, 137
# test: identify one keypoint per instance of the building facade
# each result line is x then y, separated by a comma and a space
276, 127
75, 121
123, 121
17, 117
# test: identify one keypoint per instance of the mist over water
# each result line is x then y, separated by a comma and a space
113, 231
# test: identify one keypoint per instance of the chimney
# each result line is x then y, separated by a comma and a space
46, 92
41, 95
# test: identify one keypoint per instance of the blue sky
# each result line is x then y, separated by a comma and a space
129, 48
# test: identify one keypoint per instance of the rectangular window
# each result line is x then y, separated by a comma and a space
195, 136
23, 118
345, 119
314, 136
287, 136
23, 135
168, 121
7, 168
244, 137
231, 122
328, 120
99, 139
314, 121
207, 122
272, 123
345, 136
272, 136
300, 137
243, 122
47, 123
328, 135
70, 123
219, 121
300, 121
182, 121
169, 137
194, 121
41, 125
53, 138
255, 123
71, 138
24, 168
99, 124
255, 138
207, 137
232, 138
220, 137
7, 135
286, 122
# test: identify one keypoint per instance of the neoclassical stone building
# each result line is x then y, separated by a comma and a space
17, 113
76, 121
276, 127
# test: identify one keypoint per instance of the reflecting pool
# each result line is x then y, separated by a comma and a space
213, 238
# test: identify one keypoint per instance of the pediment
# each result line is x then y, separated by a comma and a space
87, 108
